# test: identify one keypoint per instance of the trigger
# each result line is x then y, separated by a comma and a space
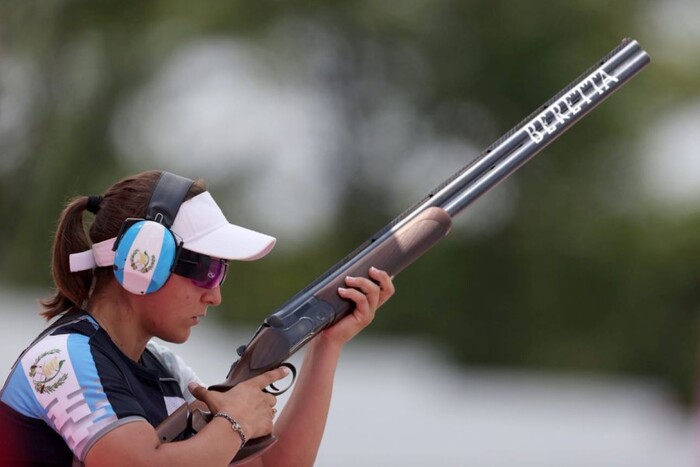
274, 390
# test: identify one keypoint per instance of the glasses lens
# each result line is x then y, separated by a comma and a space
215, 275
203, 270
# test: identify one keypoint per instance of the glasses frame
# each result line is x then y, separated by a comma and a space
192, 265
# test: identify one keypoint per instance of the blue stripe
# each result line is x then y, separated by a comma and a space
87, 375
92, 321
120, 256
19, 395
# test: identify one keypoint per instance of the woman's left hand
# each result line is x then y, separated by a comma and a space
368, 295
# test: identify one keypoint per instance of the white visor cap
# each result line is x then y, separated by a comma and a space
203, 228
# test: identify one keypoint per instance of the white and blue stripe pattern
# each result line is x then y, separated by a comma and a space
73, 401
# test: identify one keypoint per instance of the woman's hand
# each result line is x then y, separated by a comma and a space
246, 402
368, 295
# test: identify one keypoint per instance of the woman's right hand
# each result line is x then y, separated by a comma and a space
246, 402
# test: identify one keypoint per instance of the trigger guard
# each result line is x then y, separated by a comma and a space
272, 389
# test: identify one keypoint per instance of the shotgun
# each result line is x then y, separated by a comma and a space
413, 232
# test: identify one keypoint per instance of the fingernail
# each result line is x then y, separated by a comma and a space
342, 289
285, 370
373, 269
192, 386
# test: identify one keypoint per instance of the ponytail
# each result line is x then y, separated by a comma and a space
73, 288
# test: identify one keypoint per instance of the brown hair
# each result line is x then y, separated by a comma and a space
128, 197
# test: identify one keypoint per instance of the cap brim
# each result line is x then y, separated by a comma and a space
232, 242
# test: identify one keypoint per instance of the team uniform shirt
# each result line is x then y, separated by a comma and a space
72, 386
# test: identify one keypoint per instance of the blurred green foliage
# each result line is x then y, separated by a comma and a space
572, 281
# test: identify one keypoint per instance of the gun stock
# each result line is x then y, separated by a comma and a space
417, 229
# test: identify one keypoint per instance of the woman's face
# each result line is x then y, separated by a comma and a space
171, 312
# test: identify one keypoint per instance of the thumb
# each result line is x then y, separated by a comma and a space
198, 391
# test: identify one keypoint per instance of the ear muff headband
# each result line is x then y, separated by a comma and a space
146, 249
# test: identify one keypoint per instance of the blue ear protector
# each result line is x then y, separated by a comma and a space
146, 249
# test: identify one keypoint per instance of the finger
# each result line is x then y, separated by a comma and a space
386, 284
363, 311
369, 288
357, 296
269, 377
198, 391
382, 278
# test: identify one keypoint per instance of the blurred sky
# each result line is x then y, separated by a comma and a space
285, 127
286, 124
670, 163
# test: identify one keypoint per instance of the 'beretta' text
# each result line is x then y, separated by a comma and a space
568, 105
